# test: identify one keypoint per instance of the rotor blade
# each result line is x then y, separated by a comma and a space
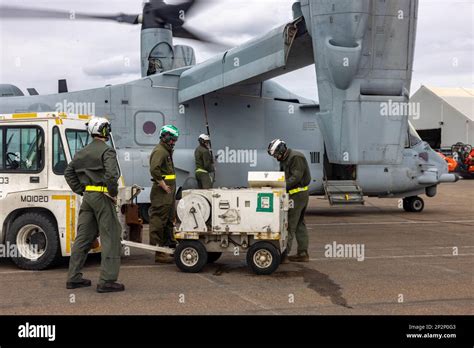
186, 34
7, 12
194, 6
183, 5
187, 5
176, 13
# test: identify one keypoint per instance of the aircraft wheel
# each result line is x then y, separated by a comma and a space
190, 256
263, 258
405, 205
413, 204
36, 240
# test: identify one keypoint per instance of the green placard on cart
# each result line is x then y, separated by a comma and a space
265, 203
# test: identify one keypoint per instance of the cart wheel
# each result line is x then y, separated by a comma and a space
413, 204
213, 257
190, 256
263, 258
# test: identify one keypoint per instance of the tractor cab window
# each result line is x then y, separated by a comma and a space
22, 149
59, 156
79, 139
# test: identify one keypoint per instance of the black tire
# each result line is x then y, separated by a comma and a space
266, 250
34, 229
197, 253
406, 206
414, 204
213, 257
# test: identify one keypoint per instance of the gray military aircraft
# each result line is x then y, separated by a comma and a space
358, 140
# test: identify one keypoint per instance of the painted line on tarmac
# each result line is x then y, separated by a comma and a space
98, 266
446, 269
312, 259
19, 271
434, 247
238, 294
393, 223
148, 266
390, 257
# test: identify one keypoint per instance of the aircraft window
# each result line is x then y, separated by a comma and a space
149, 128
154, 66
79, 139
160, 59
22, 149
414, 137
59, 156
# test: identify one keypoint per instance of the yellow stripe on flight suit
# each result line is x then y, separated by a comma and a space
299, 189
102, 189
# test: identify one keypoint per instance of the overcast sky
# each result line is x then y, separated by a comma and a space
36, 53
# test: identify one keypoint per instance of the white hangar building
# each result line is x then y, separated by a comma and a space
446, 116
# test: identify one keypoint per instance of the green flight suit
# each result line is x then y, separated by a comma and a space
298, 177
162, 210
204, 167
96, 165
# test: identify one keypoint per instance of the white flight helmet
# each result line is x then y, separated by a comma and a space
99, 126
277, 148
203, 139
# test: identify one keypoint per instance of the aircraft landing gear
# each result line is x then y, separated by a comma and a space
413, 204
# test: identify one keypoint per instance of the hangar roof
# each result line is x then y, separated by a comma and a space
462, 99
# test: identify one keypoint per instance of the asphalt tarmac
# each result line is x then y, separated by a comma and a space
408, 264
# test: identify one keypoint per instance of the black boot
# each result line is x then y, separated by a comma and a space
299, 257
284, 258
83, 283
110, 287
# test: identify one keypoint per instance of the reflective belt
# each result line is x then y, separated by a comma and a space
299, 189
97, 189
199, 170
169, 177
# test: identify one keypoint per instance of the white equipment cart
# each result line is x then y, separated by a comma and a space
254, 220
